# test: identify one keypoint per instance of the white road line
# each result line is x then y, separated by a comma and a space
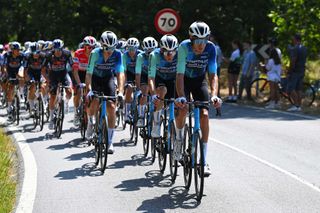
279, 169
29, 186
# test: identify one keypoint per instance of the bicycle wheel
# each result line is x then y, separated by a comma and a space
145, 142
172, 161
95, 140
308, 95
187, 165
41, 113
160, 144
17, 108
104, 144
260, 90
198, 166
60, 116
83, 121
135, 120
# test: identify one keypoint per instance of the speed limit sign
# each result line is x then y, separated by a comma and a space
167, 21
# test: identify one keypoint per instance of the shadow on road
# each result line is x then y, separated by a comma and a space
80, 156
153, 179
136, 160
88, 169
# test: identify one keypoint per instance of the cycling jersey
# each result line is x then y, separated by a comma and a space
13, 64
142, 65
129, 64
160, 67
192, 65
59, 64
101, 68
80, 60
32, 63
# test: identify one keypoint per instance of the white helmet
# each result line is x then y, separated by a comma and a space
199, 29
133, 42
149, 43
15, 45
57, 44
109, 39
169, 42
1, 47
89, 40
27, 44
41, 44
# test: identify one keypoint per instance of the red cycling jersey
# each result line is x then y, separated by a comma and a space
80, 60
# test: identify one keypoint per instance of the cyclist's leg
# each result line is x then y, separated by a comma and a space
144, 90
10, 91
110, 90
32, 89
128, 94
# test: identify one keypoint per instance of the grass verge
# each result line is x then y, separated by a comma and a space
8, 181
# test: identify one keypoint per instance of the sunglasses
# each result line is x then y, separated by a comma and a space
132, 49
200, 41
109, 49
172, 52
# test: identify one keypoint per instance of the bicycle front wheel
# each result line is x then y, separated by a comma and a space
60, 117
260, 90
308, 95
198, 166
17, 106
172, 161
104, 144
40, 113
187, 165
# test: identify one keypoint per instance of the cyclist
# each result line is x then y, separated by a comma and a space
129, 64
195, 56
57, 61
13, 60
142, 69
162, 75
122, 44
33, 68
1, 67
105, 63
80, 63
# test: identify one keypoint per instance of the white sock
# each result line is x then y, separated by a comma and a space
51, 114
179, 133
9, 105
156, 116
110, 135
128, 106
205, 148
21, 90
31, 102
141, 110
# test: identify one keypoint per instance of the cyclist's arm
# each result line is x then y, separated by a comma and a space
212, 69
138, 70
120, 73
181, 68
92, 61
75, 68
152, 74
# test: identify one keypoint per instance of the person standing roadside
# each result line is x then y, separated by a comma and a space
248, 66
298, 58
220, 59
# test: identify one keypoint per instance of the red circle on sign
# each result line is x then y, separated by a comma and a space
172, 12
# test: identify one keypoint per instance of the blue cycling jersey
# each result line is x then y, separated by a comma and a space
142, 65
192, 65
129, 63
99, 67
162, 68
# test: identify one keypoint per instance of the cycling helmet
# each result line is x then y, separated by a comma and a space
133, 42
41, 44
169, 42
149, 43
1, 47
27, 44
121, 44
199, 29
89, 40
48, 45
80, 45
58, 44
34, 47
15, 45
109, 39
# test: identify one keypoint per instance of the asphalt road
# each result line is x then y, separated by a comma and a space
262, 161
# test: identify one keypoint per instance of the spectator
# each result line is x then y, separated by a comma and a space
273, 68
298, 58
273, 43
219, 59
234, 70
248, 66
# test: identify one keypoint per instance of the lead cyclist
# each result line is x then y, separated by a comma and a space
196, 57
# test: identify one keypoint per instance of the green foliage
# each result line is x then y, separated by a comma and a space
72, 20
297, 16
7, 184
